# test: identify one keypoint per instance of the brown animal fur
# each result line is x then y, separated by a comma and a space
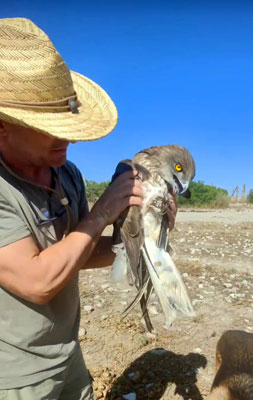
234, 367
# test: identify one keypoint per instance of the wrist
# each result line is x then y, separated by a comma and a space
93, 224
102, 215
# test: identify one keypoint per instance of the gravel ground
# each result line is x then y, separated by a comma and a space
213, 250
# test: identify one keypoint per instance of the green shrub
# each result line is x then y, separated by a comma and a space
201, 195
205, 195
94, 190
250, 196
222, 200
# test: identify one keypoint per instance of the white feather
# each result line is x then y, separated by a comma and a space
120, 263
167, 282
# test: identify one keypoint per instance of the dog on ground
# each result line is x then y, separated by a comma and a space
234, 367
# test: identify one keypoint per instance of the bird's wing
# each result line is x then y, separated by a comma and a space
128, 238
167, 282
163, 240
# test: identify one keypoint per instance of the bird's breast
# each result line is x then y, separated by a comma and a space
154, 205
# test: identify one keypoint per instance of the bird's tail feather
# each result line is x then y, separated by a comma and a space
167, 282
145, 314
136, 299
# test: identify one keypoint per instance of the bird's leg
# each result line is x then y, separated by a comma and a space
143, 303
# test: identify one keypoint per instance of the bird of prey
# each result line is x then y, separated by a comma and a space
141, 233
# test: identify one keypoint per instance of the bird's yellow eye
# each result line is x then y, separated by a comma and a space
178, 167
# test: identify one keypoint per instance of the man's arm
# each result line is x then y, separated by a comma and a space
38, 276
102, 255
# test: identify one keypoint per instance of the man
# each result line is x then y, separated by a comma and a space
47, 233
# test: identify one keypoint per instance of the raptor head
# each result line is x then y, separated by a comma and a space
175, 165
181, 168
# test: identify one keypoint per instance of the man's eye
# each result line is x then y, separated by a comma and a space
178, 167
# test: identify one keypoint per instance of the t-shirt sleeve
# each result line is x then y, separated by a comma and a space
79, 183
12, 227
83, 204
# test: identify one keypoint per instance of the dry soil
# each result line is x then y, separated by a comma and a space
214, 253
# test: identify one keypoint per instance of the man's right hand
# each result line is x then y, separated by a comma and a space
124, 191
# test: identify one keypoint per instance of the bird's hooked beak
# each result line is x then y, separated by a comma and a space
181, 188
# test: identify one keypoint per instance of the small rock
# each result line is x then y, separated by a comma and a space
150, 335
111, 290
104, 286
247, 251
129, 396
88, 308
197, 350
135, 376
82, 332
158, 351
149, 386
227, 285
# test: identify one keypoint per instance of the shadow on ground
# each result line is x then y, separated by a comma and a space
151, 375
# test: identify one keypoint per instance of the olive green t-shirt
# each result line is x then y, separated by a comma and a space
37, 340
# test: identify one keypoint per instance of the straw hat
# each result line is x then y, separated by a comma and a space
38, 90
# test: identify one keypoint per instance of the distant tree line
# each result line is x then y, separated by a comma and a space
250, 196
205, 195
94, 190
201, 195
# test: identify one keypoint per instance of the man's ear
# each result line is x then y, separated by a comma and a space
3, 134
2, 129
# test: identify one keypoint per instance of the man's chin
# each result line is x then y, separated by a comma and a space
58, 161
58, 157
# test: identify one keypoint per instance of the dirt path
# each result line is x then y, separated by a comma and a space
214, 253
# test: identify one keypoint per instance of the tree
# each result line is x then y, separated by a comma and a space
94, 190
250, 196
205, 195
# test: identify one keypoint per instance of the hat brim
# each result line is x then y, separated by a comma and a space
97, 115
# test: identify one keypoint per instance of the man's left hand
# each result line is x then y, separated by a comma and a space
172, 211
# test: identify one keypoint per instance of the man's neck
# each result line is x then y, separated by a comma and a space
36, 174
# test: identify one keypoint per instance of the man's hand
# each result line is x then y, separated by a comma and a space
172, 211
124, 191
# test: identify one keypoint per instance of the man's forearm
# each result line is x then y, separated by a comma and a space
102, 255
40, 275
71, 254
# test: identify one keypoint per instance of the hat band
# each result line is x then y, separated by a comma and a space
68, 103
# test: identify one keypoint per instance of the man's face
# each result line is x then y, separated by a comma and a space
24, 145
